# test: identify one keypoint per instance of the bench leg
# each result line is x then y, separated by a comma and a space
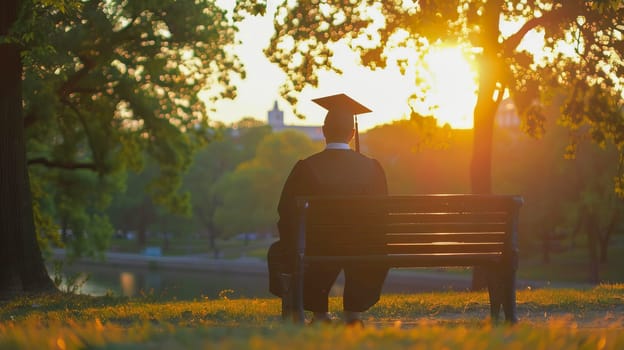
494, 292
297, 286
292, 299
509, 288
502, 292
287, 296
509, 296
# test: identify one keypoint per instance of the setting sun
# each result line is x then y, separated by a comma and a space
452, 96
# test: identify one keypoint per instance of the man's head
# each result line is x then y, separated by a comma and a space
341, 109
338, 126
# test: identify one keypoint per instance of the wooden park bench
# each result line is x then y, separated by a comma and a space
410, 231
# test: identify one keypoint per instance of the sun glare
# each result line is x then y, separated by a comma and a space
453, 87
449, 76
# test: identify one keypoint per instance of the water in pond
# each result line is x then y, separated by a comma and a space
135, 281
166, 283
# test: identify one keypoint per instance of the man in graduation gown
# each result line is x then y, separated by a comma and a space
337, 170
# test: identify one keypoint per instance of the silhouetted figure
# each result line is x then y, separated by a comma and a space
337, 170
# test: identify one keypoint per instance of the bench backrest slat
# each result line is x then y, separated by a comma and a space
471, 217
414, 227
367, 249
421, 203
393, 238
413, 260
479, 226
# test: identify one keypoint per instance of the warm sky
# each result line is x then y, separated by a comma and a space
384, 92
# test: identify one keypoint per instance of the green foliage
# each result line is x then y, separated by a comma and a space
109, 84
252, 7
73, 201
71, 284
232, 147
248, 196
558, 191
414, 135
134, 210
420, 157
48, 232
63, 6
94, 237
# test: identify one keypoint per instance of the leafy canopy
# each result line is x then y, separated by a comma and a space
582, 55
108, 83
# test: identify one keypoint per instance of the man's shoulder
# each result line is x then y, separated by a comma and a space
361, 157
343, 156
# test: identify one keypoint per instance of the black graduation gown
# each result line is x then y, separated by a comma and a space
330, 172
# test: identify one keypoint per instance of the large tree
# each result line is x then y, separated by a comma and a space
21, 264
105, 84
307, 32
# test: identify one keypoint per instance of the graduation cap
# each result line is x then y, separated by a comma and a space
342, 110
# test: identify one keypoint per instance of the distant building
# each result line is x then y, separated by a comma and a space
276, 121
276, 117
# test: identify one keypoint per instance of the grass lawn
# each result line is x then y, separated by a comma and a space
573, 266
549, 319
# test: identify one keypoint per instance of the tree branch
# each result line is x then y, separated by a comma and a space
89, 63
510, 44
83, 121
29, 120
129, 25
62, 165
86, 90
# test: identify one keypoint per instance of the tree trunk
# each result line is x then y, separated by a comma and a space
142, 226
141, 237
592, 245
213, 243
604, 248
22, 269
481, 166
604, 239
484, 113
64, 229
